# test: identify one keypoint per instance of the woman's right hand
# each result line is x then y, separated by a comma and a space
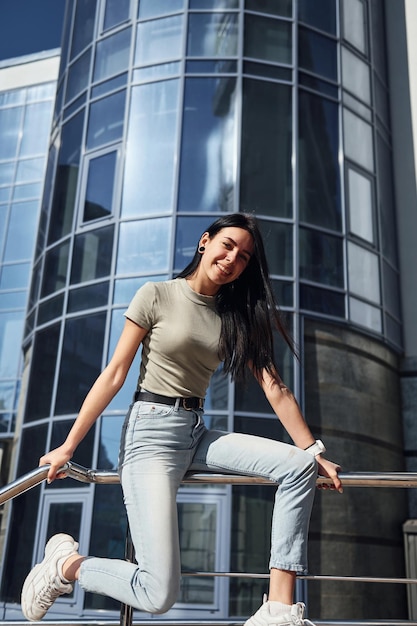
56, 459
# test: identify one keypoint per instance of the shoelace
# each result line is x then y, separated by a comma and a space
47, 596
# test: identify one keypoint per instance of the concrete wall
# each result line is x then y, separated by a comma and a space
352, 401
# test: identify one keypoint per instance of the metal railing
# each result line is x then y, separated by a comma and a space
111, 477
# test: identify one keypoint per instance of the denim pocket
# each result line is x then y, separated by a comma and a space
151, 410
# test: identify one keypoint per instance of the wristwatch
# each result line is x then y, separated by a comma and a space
316, 448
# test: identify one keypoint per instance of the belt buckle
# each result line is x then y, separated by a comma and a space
191, 408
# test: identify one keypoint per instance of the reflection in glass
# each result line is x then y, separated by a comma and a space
278, 246
15, 276
83, 29
30, 170
317, 54
10, 126
214, 4
159, 40
112, 84
273, 7
62, 210
7, 171
81, 361
355, 76
105, 123
360, 205
322, 301
125, 288
212, 34
116, 12
208, 155
36, 127
90, 297
188, 233
366, 315
144, 246
11, 329
5, 192
267, 71
392, 298
198, 537
112, 55
100, 183
363, 268
92, 255
321, 257
55, 269
153, 134
321, 15
358, 140
354, 23
153, 8
50, 309
386, 199
12, 300
23, 218
78, 76
267, 39
266, 171
24, 192
6, 396
153, 72
42, 373
319, 171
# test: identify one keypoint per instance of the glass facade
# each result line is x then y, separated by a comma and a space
167, 114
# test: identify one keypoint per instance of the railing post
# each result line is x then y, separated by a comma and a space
126, 611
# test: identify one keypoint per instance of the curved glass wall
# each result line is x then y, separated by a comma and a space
169, 113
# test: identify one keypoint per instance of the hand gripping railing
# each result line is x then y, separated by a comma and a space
111, 477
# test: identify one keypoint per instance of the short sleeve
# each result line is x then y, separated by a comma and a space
142, 307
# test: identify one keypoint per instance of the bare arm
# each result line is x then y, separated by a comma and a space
100, 395
289, 413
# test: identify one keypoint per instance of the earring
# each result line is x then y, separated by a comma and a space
201, 248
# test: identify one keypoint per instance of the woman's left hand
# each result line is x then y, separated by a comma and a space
330, 470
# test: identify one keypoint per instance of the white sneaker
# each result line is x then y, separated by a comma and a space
45, 582
263, 617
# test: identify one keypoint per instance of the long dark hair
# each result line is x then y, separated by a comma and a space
246, 306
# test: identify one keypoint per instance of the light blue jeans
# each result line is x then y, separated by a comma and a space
159, 444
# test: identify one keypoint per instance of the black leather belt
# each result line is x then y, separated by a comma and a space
190, 404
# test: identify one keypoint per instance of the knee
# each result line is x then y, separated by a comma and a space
158, 599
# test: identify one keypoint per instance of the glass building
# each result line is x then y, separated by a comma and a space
167, 114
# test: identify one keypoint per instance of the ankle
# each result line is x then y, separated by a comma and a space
70, 568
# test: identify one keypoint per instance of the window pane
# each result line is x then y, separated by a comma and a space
153, 8
81, 361
322, 301
317, 53
319, 172
11, 332
321, 15
23, 220
42, 374
100, 183
83, 30
355, 76
112, 55
153, 134
274, 7
66, 179
78, 76
91, 297
24, 192
30, 169
212, 34
159, 40
363, 269
386, 201
106, 118
321, 258
55, 269
12, 300
36, 128
117, 11
92, 255
6, 397
365, 315
5, 192
14, 276
358, 140
354, 23
392, 299
266, 149
278, 247
208, 155
189, 231
360, 205
268, 39
50, 309
10, 127
125, 288
144, 246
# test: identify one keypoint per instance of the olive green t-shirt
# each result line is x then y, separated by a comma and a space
180, 350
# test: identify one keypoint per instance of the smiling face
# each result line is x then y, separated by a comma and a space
225, 257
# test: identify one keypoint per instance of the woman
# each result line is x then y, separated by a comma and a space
220, 308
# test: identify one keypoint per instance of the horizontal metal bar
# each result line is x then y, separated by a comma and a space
111, 477
319, 578
213, 622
